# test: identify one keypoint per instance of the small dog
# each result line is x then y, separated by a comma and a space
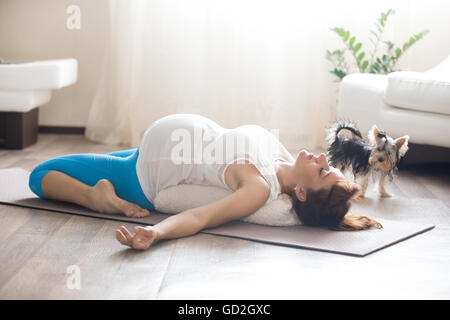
378, 157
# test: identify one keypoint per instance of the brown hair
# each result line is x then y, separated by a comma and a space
330, 208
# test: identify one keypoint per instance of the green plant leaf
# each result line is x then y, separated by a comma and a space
346, 35
352, 40
398, 53
337, 30
338, 73
390, 44
376, 67
357, 47
364, 65
413, 39
360, 57
382, 19
374, 33
420, 35
380, 29
337, 54
385, 15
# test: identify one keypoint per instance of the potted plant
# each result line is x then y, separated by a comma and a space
372, 61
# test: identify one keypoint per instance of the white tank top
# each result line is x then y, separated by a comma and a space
192, 149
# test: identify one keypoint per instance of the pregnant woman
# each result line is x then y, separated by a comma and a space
192, 149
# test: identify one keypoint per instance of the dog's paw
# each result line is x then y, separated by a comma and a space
385, 194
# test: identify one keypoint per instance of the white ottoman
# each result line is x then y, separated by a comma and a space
23, 88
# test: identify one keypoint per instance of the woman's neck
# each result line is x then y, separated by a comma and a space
285, 175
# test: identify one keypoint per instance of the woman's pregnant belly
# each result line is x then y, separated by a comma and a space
172, 152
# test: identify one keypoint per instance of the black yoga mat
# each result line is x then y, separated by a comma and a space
14, 190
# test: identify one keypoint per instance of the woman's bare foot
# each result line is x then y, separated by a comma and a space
142, 239
104, 199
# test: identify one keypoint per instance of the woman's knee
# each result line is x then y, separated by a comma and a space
35, 181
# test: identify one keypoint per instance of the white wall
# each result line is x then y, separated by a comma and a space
435, 16
36, 29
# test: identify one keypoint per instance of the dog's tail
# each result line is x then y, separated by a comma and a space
342, 129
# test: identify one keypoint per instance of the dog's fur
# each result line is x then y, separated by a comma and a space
377, 157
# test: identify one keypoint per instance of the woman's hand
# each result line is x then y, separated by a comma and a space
142, 238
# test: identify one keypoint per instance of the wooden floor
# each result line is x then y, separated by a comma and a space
44, 254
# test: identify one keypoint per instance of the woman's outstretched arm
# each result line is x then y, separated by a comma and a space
241, 203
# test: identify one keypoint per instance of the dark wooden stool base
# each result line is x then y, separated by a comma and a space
18, 130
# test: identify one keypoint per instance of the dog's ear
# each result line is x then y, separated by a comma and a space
402, 144
373, 135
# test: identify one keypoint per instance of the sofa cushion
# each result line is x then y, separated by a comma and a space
423, 91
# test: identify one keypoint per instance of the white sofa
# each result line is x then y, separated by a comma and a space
412, 103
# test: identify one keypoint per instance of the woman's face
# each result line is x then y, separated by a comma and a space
313, 172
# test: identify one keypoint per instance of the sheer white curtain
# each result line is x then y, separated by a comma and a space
236, 62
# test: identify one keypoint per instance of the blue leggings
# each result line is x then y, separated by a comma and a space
118, 167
